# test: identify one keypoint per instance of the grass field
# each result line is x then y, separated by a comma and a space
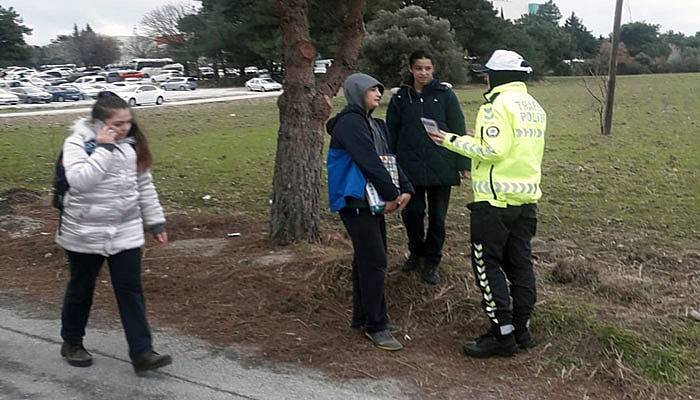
620, 199
643, 179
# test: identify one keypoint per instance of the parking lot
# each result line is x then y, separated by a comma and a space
171, 97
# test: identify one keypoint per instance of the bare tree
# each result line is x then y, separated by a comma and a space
304, 106
163, 21
140, 47
597, 87
596, 83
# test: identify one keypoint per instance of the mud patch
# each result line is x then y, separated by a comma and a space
18, 226
199, 247
577, 271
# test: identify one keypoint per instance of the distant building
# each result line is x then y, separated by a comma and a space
514, 9
532, 8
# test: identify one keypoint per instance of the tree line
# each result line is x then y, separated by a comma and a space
239, 33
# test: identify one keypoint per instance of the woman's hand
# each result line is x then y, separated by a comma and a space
105, 135
161, 237
437, 137
403, 200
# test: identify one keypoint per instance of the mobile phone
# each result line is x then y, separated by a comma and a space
430, 125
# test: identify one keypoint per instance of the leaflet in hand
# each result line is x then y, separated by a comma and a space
430, 125
376, 203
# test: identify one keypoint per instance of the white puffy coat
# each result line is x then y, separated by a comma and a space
108, 201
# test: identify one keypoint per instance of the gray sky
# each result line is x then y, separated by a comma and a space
49, 18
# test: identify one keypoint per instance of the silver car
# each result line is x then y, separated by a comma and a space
180, 83
8, 98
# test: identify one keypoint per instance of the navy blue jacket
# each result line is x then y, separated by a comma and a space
426, 163
353, 160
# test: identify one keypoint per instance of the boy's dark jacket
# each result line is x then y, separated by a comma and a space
426, 163
357, 141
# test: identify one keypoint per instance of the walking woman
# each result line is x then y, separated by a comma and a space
110, 197
431, 169
358, 146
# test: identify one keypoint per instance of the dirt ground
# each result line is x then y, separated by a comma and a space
292, 305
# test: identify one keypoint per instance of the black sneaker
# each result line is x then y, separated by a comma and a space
384, 340
412, 264
150, 360
490, 345
431, 273
524, 340
358, 329
76, 355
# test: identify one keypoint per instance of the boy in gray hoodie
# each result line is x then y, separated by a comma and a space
357, 142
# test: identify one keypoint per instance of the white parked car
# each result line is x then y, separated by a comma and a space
142, 94
91, 79
263, 84
8, 98
35, 80
180, 83
133, 81
206, 72
64, 72
92, 90
164, 76
10, 83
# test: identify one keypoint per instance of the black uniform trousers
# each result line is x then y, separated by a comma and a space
368, 235
428, 243
125, 271
502, 254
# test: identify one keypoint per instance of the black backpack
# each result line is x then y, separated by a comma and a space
60, 183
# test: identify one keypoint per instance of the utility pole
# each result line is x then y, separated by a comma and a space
610, 100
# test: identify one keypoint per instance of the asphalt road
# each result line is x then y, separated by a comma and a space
31, 368
173, 98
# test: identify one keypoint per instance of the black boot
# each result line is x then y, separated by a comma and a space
76, 355
150, 360
431, 273
412, 263
490, 345
523, 338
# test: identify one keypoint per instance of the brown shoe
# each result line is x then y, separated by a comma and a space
150, 360
76, 355
384, 340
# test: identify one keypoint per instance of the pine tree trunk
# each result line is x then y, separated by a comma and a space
297, 182
304, 107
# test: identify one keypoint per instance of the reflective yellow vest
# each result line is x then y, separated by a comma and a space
507, 147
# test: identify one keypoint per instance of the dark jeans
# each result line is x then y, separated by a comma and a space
368, 234
125, 270
501, 248
421, 243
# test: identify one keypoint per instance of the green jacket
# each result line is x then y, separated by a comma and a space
507, 147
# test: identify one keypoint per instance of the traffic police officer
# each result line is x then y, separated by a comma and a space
506, 152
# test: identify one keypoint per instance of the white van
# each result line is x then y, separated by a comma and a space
173, 67
91, 79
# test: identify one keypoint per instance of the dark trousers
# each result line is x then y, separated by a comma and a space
428, 243
125, 270
368, 235
501, 249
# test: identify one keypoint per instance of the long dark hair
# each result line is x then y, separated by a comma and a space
107, 102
